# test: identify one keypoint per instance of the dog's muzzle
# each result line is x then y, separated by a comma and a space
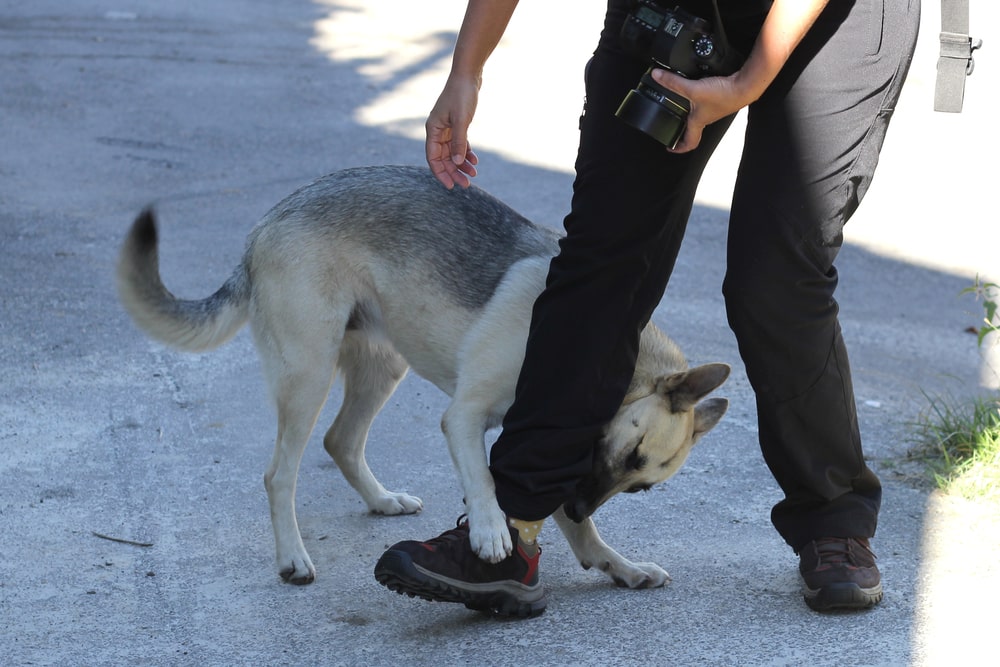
588, 497
576, 510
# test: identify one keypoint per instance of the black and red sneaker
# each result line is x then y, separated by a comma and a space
445, 569
840, 573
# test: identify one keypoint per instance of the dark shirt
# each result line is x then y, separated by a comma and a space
742, 19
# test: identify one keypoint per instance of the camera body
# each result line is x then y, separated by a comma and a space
682, 43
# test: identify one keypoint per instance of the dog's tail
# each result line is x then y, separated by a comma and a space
193, 326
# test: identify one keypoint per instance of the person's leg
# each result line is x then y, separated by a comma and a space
631, 202
630, 206
811, 147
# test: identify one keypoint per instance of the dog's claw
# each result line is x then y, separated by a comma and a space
394, 504
299, 572
632, 575
289, 577
494, 552
640, 575
493, 556
490, 537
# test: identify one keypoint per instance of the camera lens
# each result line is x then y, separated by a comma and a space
653, 109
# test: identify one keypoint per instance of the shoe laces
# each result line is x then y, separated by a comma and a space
843, 551
458, 533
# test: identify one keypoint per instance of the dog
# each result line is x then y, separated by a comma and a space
371, 271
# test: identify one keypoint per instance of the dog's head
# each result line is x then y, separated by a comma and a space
650, 437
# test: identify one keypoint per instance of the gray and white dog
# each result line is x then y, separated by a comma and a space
372, 271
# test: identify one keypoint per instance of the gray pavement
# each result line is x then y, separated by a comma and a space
214, 111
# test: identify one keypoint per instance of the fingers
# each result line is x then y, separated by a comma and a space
451, 170
689, 140
438, 152
712, 99
451, 159
692, 128
464, 164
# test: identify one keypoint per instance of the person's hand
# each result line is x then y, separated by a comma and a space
712, 99
716, 97
449, 155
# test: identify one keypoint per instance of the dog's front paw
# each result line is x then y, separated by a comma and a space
396, 503
298, 571
633, 575
490, 537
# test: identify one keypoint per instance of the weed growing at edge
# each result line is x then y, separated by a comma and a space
961, 446
961, 441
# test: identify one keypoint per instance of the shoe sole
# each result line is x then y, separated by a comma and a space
844, 596
396, 571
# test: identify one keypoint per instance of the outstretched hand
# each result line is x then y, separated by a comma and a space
449, 155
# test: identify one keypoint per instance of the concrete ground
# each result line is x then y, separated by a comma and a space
214, 111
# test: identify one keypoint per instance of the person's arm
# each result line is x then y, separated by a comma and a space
714, 98
451, 159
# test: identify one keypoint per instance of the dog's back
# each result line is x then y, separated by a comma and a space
395, 220
464, 240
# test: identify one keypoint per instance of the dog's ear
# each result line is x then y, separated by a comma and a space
707, 414
683, 390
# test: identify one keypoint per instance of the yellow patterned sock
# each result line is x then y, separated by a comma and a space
527, 530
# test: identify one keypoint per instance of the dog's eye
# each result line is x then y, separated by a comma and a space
635, 460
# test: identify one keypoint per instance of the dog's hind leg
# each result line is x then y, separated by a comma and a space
299, 399
298, 362
371, 372
592, 551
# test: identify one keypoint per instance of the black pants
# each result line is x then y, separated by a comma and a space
811, 146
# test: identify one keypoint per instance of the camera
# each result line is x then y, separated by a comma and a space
682, 43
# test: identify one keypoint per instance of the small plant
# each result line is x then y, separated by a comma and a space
962, 446
988, 293
961, 441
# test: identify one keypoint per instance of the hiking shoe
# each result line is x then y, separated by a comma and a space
840, 573
445, 569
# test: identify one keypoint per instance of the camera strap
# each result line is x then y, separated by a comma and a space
955, 61
720, 29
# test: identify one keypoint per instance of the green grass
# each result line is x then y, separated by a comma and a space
960, 440
960, 443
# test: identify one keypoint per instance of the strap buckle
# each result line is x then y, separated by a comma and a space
955, 64
974, 44
959, 46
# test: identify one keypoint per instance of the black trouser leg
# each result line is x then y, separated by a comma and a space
811, 147
630, 206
